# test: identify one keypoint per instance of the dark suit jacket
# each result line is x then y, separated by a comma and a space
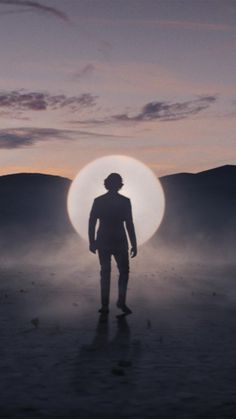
113, 212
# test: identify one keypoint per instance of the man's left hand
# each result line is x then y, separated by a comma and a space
133, 252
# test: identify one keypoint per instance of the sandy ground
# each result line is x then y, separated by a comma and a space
174, 357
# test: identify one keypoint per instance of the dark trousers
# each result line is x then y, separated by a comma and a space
121, 257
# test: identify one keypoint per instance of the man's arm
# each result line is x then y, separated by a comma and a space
131, 231
91, 228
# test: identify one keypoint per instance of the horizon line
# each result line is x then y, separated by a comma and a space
159, 177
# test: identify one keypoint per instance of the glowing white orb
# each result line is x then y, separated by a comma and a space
140, 184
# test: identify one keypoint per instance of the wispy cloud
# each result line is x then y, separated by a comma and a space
20, 100
158, 111
24, 137
85, 71
27, 5
166, 111
164, 23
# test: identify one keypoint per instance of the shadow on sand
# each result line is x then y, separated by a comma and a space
105, 362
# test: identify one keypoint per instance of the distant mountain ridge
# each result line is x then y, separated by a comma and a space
200, 208
32, 204
219, 174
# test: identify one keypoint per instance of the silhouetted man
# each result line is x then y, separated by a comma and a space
112, 210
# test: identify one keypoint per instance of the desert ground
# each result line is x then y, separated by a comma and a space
174, 357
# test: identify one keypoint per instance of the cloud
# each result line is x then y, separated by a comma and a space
158, 111
20, 100
85, 71
166, 111
29, 5
164, 23
24, 137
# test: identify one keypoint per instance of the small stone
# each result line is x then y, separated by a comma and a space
118, 371
35, 322
149, 325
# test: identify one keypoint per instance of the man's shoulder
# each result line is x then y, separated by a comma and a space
125, 199
100, 198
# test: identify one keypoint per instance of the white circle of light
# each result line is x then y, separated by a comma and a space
140, 185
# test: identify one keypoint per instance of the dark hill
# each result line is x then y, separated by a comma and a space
33, 204
200, 208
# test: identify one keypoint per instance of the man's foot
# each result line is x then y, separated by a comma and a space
124, 307
104, 310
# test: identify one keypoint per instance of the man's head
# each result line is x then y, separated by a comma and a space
113, 182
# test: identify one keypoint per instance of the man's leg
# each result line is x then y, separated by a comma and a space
122, 259
105, 262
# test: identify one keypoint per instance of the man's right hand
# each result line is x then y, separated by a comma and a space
92, 247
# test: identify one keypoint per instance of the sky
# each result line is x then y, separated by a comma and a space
150, 79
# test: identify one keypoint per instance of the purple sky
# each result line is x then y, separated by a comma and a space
151, 79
